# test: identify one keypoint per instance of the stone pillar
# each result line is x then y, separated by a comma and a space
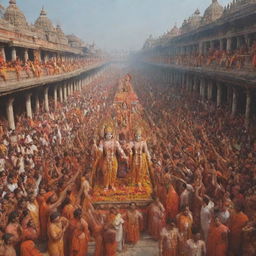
55, 95
229, 42
28, 106
234, 103
10, 114
14, 54
26, 55
64, 92
203, 83
248, 107
71, 88
201, 48
68, 89
46, 57
37, 103
3, 53
209, 90
221, 44
46, 100
238, 42
219, 94
188, 83
60, 94
39, 56
183, 81
193, 80
212, 45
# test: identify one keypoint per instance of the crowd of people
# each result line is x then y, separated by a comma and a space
44, 168
35, 69
203, 175
240, 58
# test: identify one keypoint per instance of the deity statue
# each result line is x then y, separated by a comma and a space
122, 163
140, 159
108, 165
127, 83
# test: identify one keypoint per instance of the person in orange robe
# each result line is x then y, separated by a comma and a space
68, 213
33, 208
168, 244
96, 222
184, 224
172, 203
133, 224
79, 235
238, 221
217, 243
68, 209
56, 229
46, 207
156, 218
28, 248
109, 238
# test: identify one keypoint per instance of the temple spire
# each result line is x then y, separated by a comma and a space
43, 12
12, 2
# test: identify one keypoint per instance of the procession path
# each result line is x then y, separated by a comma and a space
145, 247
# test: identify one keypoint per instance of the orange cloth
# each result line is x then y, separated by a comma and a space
55, 239
155, 221
216, 244
44, 216
34, 213
172, 203
111, 249
133, 226
237, 222
110, 244
79, 237
68, 211
184, 224
28, 248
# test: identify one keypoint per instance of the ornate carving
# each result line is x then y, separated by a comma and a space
14, 15
212, 13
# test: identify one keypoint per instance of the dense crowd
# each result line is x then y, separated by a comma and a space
204, 172
18, 69
240, 58
204, 178
43, 168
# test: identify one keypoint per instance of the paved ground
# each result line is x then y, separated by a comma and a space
145, 247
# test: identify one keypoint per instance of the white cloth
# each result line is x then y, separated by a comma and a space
12, 187
206, 216
196, 248
2, 164
118, 223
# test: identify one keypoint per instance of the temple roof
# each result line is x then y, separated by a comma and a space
192, 22
175, 31
213, 12
73, 38
44, 23
14, 15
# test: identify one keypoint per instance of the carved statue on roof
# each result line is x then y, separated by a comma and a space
212, 13
14, 15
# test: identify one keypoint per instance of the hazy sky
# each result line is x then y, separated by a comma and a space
114, 24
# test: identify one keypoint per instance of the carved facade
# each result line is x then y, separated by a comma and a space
41, 39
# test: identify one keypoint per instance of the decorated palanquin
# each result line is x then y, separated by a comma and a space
122, 151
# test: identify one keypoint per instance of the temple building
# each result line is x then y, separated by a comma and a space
212, 55
33, 58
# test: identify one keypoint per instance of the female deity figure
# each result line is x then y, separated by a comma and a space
108, 149
140, 159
